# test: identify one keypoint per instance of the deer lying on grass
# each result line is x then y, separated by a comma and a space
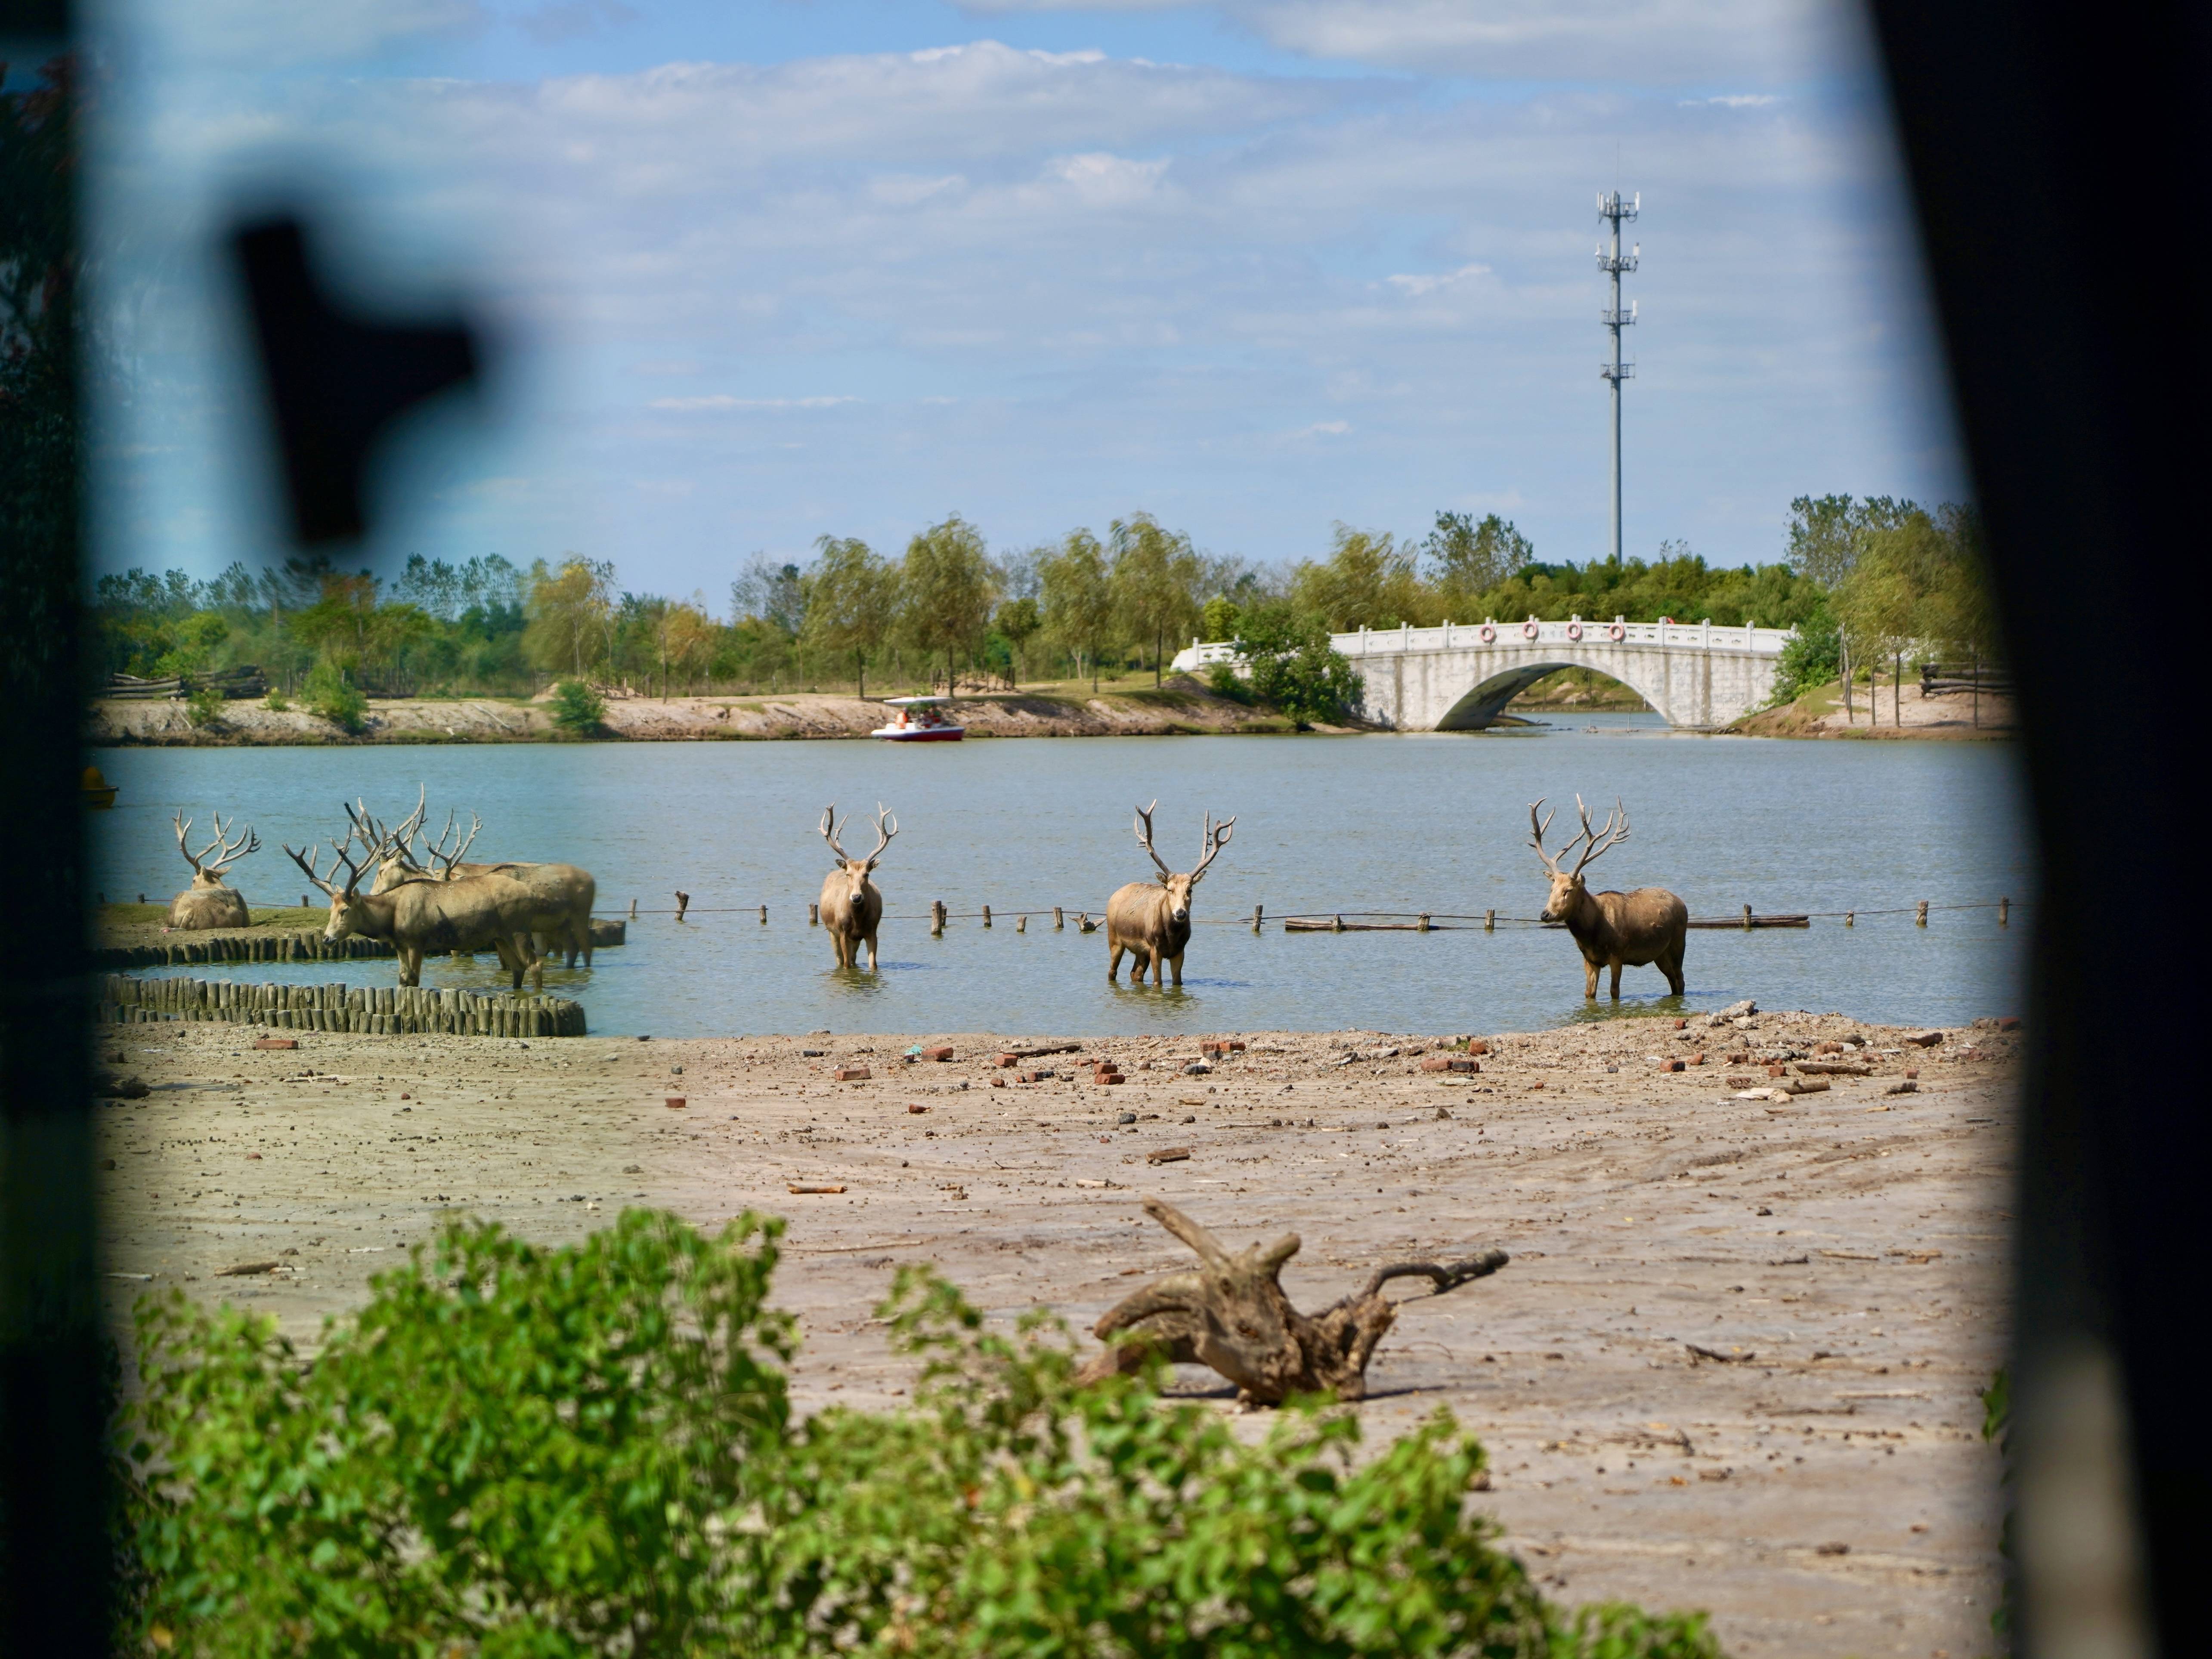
565, 887
1611, 930
851, 906
208, 902
428, 914
1151, 920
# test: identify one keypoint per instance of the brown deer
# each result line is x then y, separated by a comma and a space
1611, 930
208, 902
851, 906
566, 889
1151, 920
426, 914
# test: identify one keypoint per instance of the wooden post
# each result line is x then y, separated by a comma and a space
1489, 921
1022, 922
1920, 914
1339, 926
937, 917
1259, 914
2004, 913
632, 909
763, 915
1059, 921
986, 916
1851, 918
813, 915
1424, 921
1746, 918
682, 903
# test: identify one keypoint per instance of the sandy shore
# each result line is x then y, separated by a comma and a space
1823, 1490
1881, 714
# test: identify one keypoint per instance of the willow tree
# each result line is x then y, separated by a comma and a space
945, 591
1078, 598
1156, 578
1367, 581
851, 603
567, 614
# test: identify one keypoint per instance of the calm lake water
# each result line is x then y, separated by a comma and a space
1434, 823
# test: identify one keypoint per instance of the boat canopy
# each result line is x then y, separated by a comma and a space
910, 702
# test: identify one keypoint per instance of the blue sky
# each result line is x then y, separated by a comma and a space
765, 272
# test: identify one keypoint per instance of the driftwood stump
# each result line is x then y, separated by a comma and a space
1230, 1314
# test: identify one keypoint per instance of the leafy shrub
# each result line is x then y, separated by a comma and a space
329, 694
276, 702
517, 1451
1811, 659
578, 711
1223, 679
1222, 617
203, 707
1295, 670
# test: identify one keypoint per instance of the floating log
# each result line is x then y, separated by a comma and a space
1739, 923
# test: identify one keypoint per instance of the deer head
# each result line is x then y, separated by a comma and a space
396, 861
856, 870
1567, 887
347, 906
1217, 837
210, 862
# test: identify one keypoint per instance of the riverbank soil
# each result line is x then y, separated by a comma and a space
1182, 705
1733, 1364
1581, 691
1820, 714
116, 926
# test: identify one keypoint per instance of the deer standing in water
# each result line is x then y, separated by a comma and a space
1611, 930
208, 902
1151, 920
851, 906
568, 890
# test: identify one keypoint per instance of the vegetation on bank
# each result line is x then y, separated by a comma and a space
1860, 578
522, 1451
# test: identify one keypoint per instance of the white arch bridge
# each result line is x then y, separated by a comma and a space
1459, 677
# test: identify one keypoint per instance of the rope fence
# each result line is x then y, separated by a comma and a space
1347, 922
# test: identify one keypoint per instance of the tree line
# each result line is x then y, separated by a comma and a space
1860, 578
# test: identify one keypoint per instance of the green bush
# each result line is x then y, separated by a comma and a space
578, 711
1224, 681
587, 1450
329, 694
276, 702
1811, 659
203, 707
1295, 670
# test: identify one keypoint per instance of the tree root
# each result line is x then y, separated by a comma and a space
1230, 1314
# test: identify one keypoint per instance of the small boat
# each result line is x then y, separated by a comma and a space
919, 720
99, 793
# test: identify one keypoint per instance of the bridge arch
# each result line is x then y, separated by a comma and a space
1485, 703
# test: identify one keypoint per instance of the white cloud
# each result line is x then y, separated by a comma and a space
723, 400
1735, 101
1415, 286
1326, 429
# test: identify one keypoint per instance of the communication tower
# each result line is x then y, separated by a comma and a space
1614, 211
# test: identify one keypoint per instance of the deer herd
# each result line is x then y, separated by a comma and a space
423, 896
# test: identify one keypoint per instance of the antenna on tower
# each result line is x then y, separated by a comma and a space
1615, 211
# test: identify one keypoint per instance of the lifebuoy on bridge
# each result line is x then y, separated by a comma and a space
1528, 629
1489, 634
1616, 633
1575, 631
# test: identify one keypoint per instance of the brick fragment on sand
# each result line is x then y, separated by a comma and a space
849, 1074
674, 1102
942, 1052
1777, 1071
1111, 1077
1465, 1064
1168, 1155
1670, 1065
1925, 1039
1696, 1060
998, 1082
1437, 1063
1477, 1046
1005, 1061
825, 1187
277, 1043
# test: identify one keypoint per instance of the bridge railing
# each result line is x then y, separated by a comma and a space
1748, 640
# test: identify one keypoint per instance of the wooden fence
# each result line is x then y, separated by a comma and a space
384, 1011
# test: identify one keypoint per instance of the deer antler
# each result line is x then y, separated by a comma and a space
219, 854
1145, 836
338, 858
830, 830
1217, 837
1537, 838
886, 827
447, 862
1614, 833
412, 824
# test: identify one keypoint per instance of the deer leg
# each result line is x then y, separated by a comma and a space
872, 957
1671, 965
1589, 981
1175, 963
1616, 979
410, 966
1114, 963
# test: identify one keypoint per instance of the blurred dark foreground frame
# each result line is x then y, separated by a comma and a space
2052, 156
